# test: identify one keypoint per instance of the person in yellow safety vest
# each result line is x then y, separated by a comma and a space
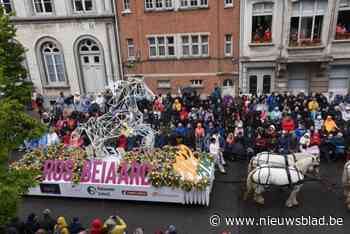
313, 107
330, 125
177, 105
120, 226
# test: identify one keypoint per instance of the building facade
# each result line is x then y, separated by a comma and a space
295, 46
71, 44
180, 43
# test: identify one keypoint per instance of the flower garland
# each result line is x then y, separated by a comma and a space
161, 160
34, 161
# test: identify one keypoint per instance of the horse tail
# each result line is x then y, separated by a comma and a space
250, 185
250, 165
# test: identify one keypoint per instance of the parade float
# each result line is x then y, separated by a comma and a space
171, 174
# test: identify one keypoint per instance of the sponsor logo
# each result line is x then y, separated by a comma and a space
100, 191
91, 190
134, 193
158, 194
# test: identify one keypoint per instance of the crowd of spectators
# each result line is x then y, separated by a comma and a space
47, 224
239, 126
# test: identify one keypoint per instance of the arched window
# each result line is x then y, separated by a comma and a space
54, 63
90, 54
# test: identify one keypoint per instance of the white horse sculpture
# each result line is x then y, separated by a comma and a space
266, 175
124, 117
278, 160
346, 184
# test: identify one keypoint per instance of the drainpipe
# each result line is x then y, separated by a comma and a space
241, 76
117, 38
281, 47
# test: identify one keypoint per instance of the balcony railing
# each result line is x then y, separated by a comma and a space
305, 43
256, 39
342, 36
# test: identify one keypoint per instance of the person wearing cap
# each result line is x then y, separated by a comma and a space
304, 142
47, 222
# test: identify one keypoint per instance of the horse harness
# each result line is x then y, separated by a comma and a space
287, 168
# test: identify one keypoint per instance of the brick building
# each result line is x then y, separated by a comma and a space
180, 43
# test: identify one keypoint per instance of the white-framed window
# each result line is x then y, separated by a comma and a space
228, 3
164, 84
159, 4
131, 48
43, 6
262, 22
307, 22
228, 45
342, 30
193, 3
161, 46
54, 63
126, 6
195, 45
197, 83
6, 4
83, 5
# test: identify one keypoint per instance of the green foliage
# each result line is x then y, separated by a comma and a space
15, 124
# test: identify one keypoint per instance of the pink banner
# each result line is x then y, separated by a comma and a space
98, 172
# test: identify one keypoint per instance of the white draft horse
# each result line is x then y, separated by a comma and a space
277, 160
346, 184
265, 176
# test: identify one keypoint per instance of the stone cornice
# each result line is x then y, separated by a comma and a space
44, 19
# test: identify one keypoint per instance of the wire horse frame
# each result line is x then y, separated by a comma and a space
123, 117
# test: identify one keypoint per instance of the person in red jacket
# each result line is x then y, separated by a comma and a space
288, 124
122, 142
96, 227
183, 115
315, 138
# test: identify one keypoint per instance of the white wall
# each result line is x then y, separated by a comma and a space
66, 32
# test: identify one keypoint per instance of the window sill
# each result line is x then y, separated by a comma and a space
161, 58
194, 57
306, 47
228, 6
228, 56
158, 10
131, 59
163, 87
126, 12
193, 8
341, 41
56, 86
261, 44
84, 12
43, 14
197, 86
